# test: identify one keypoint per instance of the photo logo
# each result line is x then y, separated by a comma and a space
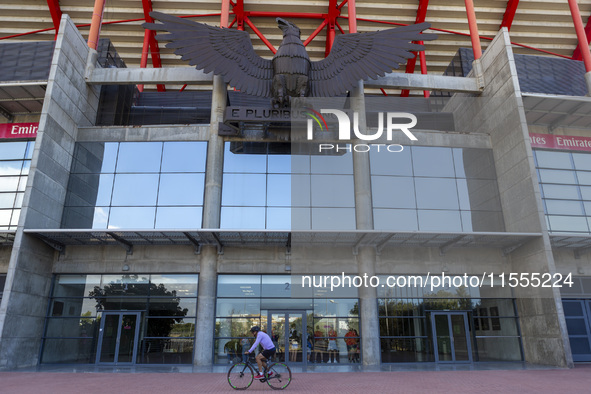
317, 117
345, 124
393, 121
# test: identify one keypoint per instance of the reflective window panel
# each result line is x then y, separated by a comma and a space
265, 186
440, 183
137, 185
14, 167
90, 314
565, 181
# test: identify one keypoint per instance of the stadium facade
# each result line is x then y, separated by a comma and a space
147, 227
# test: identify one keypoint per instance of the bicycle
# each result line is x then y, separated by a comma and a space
241, 375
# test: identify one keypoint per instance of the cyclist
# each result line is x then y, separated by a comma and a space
268, 349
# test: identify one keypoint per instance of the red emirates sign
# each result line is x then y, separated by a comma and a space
18, 130
562, 142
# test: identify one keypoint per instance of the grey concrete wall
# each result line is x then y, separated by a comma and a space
566, 263
303, 260
144, 133
68, 103
5, 252
499, 112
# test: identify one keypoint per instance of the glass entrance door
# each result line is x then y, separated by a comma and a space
118, 338
451, 337
287, 331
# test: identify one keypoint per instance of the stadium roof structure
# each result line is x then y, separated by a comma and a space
537, 27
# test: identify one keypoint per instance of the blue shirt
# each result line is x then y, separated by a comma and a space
264, 340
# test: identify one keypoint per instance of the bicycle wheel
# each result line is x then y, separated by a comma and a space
278, 376
240, 376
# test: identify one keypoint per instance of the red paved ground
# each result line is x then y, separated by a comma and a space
577, 380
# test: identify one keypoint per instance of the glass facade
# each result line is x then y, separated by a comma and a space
417, 324
15, 162
151, 316
269, 188
308, 325
435, 189
138, 185
565, 183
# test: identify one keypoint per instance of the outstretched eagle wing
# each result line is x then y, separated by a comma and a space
359, 56
226, 52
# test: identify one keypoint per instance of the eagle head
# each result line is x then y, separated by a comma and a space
288, 27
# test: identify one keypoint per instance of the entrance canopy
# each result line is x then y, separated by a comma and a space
61, 238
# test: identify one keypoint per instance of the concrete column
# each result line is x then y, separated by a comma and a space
368, 309
211, 219
215, 157
366, 257
361, 168
68, 104
588, 82
206, 307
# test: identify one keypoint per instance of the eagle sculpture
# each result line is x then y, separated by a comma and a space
290, 73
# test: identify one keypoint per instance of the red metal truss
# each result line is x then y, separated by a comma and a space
333, 13
582, 37
473, 25
411, 63
56, 14
577, 55
150, 38
509, 14
238, 9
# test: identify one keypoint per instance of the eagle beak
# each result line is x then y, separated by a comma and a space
281, 21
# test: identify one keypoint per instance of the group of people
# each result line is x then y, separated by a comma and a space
320, 348
324, 348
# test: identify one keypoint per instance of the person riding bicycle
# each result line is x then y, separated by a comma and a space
268, 349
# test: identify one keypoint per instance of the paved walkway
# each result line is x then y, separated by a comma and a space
577, 380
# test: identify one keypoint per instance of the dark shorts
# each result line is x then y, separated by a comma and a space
268, 353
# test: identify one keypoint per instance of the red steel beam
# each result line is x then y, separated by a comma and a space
286, 14
333, 13
154, 49
581, 36
96, 22
315, 32
144, 59
56, 14
225, 16
509, 14
411, 63
473, 25
260, 35
352, 17
423, 61
577, 55
238, 9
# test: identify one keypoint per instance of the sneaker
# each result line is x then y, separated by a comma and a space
259, 376
270, 374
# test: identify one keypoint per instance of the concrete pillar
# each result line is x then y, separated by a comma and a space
361, 168
368, 308
211, 219
68, 104
366, 257
215, 157
206, 307
588, 82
